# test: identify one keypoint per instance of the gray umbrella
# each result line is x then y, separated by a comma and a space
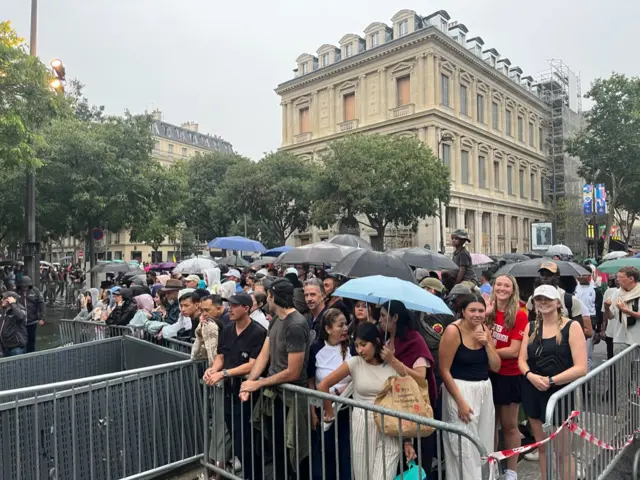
233, 261
365, 263
529, 269
423, 258
350, 241
195, 265
115, 267
515, 257
321, 253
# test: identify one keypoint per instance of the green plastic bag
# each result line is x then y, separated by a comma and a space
415, 472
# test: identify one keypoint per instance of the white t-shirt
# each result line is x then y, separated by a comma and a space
615, 328
587, 296
324, 359
368, 380
259, 317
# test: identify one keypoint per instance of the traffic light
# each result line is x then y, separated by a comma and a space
58, 82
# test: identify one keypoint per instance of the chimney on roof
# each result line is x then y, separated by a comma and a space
491, 56
515, 73
503, 65
156, 115
475, 45
193, 126
526, 82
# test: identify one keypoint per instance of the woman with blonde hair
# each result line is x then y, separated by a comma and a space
553, 353
507, 323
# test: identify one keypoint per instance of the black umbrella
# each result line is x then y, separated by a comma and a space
233, 261
515, 257
4, 263
530, 268
423, 258
320, 253
365, 263
115, 267
350, 241
263, 262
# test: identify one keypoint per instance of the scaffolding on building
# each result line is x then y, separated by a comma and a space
559, 88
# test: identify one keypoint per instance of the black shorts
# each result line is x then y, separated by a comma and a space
534, 403
507, 389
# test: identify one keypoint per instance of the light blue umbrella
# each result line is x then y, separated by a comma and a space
275, 252
237, 243
379, 289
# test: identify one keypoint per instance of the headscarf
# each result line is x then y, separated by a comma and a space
227, 289
211, 277
95, 296
144, 302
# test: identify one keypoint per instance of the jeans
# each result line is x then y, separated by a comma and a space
31, 337
12, 352
237, 418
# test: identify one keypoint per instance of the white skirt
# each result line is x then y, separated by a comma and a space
479, 396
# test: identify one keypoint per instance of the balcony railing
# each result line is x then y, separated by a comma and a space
302, 137
348, 125
403, 111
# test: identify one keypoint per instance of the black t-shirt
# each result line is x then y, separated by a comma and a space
462, 258
239, 349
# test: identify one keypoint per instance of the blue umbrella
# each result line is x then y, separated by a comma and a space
237, 243
379, 289
274, 252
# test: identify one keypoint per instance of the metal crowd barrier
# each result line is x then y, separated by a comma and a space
609, 405
114, 408
332, 454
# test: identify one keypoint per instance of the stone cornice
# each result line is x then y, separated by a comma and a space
420, 36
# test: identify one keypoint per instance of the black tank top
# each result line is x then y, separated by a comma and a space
548, 347
468, 364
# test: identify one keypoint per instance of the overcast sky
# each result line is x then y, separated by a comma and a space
217, 62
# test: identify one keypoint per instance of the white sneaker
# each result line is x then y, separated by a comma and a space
510, 475
237, 466
532, 456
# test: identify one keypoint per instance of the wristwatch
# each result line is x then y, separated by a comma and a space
551, 382
225, 374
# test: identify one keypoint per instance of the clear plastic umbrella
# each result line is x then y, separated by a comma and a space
614, 255
195, 265
559, 250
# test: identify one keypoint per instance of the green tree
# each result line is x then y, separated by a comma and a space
389, 180
609, 143
276, 193
26, 101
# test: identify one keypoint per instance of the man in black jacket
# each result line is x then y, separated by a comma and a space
125, 308
13, 328
33, 302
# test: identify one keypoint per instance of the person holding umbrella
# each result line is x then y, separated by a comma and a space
462, 258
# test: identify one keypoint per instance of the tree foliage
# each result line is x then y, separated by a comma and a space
609, 144
389, 180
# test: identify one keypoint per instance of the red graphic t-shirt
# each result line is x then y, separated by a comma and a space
502, 339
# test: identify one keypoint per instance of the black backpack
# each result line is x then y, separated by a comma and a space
631, 320
426, 324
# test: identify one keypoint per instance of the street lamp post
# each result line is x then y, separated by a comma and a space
31, 248
441, 139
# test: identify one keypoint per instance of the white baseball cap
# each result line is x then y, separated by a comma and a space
233, 273
547, 291
291, 270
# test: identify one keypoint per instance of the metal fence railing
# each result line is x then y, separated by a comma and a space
608, 401
257, 431
116, 408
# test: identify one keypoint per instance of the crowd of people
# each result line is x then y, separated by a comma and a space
504, 350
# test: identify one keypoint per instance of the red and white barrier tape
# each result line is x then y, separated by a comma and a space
495, 457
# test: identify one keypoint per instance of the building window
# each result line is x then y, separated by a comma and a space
170, 148
304, 69
540, 139
543, 184
444, 88
450, 217
480, 108
482, 175
510, 180
375, 39
464, 108
521, 129
496, 175
403, 28
404, 91
184, 151
156, 257
325, 59
304, 120
531, 136
521, 182
446, 154
464, 167
136, 255
444, 25
495, 116
508, 123
349, 104
347, 51
532, 185
117, 255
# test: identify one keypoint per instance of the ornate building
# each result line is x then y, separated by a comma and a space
427, 77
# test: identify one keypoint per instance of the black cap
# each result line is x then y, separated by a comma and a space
280, 287
241, 299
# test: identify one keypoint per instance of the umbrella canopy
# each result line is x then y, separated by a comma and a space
558, 250
423, 258
115, 267
233, 261
612, 266
350, 241
515, 257
531, 254
163, 266
480, 259
8, 262
379, 289
45, 264
529, 269
321, 253
614, 255
366, 263
237, 243
262, 262
274, 252
195, 265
